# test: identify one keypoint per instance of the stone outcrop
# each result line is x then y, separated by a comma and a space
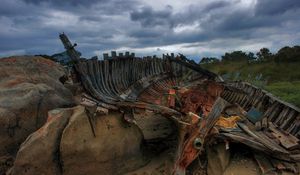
66, 145
29, 88
39, 153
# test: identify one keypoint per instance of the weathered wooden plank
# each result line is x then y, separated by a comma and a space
245, 139
270, 110
294, 125
282, 115
208, 122
240, 97
275, 113
262, 139
243, 100
287, 140
289, 119
230, 97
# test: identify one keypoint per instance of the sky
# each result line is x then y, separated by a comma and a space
195, 28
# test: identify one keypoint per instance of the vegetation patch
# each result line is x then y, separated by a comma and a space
277, 73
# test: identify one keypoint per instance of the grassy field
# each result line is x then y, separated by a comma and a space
281, 79
288, 91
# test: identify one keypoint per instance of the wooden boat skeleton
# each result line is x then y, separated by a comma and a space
123, 83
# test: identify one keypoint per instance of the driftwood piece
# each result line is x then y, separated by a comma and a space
245, 139
263, 139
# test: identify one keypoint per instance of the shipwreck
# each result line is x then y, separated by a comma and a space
190, 120
201, 105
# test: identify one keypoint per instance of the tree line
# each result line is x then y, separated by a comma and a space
285, 54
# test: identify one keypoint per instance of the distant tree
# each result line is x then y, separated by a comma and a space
235, 56
251, 56
226, 57
264, 54
288, 54
206, 60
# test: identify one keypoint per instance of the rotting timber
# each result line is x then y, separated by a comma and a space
197, 102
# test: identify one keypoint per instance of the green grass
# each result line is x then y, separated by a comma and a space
287, 91
281, 79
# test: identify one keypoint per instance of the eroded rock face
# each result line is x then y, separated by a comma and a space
116, 149
66, 145
29, 88
39, 153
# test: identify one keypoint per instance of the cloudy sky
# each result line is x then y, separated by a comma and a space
195, 28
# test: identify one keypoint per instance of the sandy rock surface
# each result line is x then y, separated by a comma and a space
39, 153
66, 145
29, 88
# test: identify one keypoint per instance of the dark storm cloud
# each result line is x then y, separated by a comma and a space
32, 26
106, 7
67, 2
276, 7
149, 17
224, 23
216, 5
146, 33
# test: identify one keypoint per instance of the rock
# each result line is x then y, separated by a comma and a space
66, 145
5, 163
218, 159
243, 165
39, 153
116, 149
29, 88
238, 159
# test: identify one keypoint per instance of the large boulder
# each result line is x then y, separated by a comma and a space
39, 153
115, 149
29, 88
67, 145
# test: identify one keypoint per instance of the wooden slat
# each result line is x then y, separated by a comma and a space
262, 139
208, 122
282, 115
289, 119
288, 141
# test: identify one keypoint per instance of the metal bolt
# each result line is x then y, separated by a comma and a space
197, 143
